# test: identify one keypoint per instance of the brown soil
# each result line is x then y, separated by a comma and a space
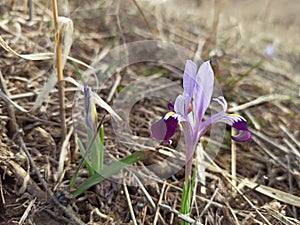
268, 167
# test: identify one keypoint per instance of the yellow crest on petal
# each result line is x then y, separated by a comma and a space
167, 116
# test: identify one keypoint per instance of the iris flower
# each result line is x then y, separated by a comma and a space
189, 109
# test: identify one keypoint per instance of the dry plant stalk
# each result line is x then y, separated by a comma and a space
151, 28
59, 66
211, 41
233, 159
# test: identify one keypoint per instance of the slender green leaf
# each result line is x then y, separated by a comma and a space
110, 170
82, 150
101, 150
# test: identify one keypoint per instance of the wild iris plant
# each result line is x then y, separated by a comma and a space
95, 136
93, 155
188, 110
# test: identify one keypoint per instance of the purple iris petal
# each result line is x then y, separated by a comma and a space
189, 79
87, 108
240, 124
171, 106
172, 126
180, 105
242, 136
159, 130
215, 118
165, 128
203, 91
199, 87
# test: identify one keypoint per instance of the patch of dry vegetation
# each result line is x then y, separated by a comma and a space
263, 89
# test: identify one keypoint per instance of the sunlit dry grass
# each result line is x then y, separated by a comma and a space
262, 88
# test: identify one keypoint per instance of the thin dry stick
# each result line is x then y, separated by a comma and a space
10, 108
1, 192
181, 216
291, 183
63, 155
210, 42
259, 100
30, 10
159, 202
153, 30
59, 66
25, 214
45, 185
34, 167
266, 139
239, 191
233, 159
233, 214
285, 130
209, 203
252, 119
174, 207
114, 87
129, 203
148, 196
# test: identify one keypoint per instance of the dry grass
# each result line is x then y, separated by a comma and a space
264, 89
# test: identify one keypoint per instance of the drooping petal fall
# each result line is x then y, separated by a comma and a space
165, 128
238, 122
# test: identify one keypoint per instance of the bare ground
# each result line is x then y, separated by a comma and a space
264, 89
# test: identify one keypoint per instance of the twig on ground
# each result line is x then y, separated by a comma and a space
25, 214
45, 185
288, 133
144, 213
129, 203
259, 100
159, 202
181, 216
174, 207
252, 119
236, 221
292, 147
148, 196
226, 176
63, 154
100, 214
30, 10
270, 153
210, 41
35, 169
274, 193
268, 140
114, 87
209, 203
1, 192
291, 184
12, 122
